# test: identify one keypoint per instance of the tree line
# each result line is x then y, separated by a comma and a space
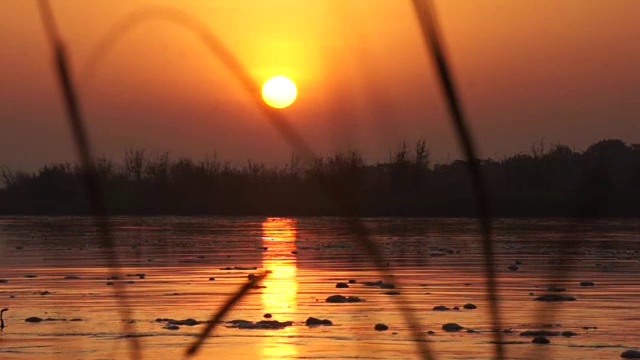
603, 180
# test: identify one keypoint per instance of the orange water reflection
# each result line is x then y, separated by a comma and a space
280, 295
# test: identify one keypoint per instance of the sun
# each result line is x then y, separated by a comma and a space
279, 92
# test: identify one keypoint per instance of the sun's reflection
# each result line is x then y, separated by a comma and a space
280, 295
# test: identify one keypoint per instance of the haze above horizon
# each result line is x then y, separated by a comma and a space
565, 72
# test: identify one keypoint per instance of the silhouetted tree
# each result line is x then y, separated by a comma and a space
600, 181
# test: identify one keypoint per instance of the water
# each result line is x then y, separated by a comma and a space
434, 262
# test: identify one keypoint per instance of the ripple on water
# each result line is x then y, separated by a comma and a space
302, 255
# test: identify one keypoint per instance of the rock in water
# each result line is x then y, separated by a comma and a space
311, 321
263, 324
630, 354
342, 299
440, 308
451, 327
239, 323
336, 299
554, 298
469, 306
540, 340
187, 322
342, 285
380, 327
33, 319
586, 283
539, 333
272, 324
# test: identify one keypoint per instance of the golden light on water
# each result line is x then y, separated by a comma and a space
280, 295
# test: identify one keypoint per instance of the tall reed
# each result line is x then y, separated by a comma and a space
83, 148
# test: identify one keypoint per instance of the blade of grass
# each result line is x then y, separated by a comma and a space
136, 18
216, 318
276, 118
432, 38
90, 177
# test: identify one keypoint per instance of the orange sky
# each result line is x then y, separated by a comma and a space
563, 71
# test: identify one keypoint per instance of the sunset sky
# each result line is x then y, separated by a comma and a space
559, 71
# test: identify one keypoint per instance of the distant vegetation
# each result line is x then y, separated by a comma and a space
603, 180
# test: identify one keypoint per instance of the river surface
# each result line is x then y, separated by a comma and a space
55, 268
